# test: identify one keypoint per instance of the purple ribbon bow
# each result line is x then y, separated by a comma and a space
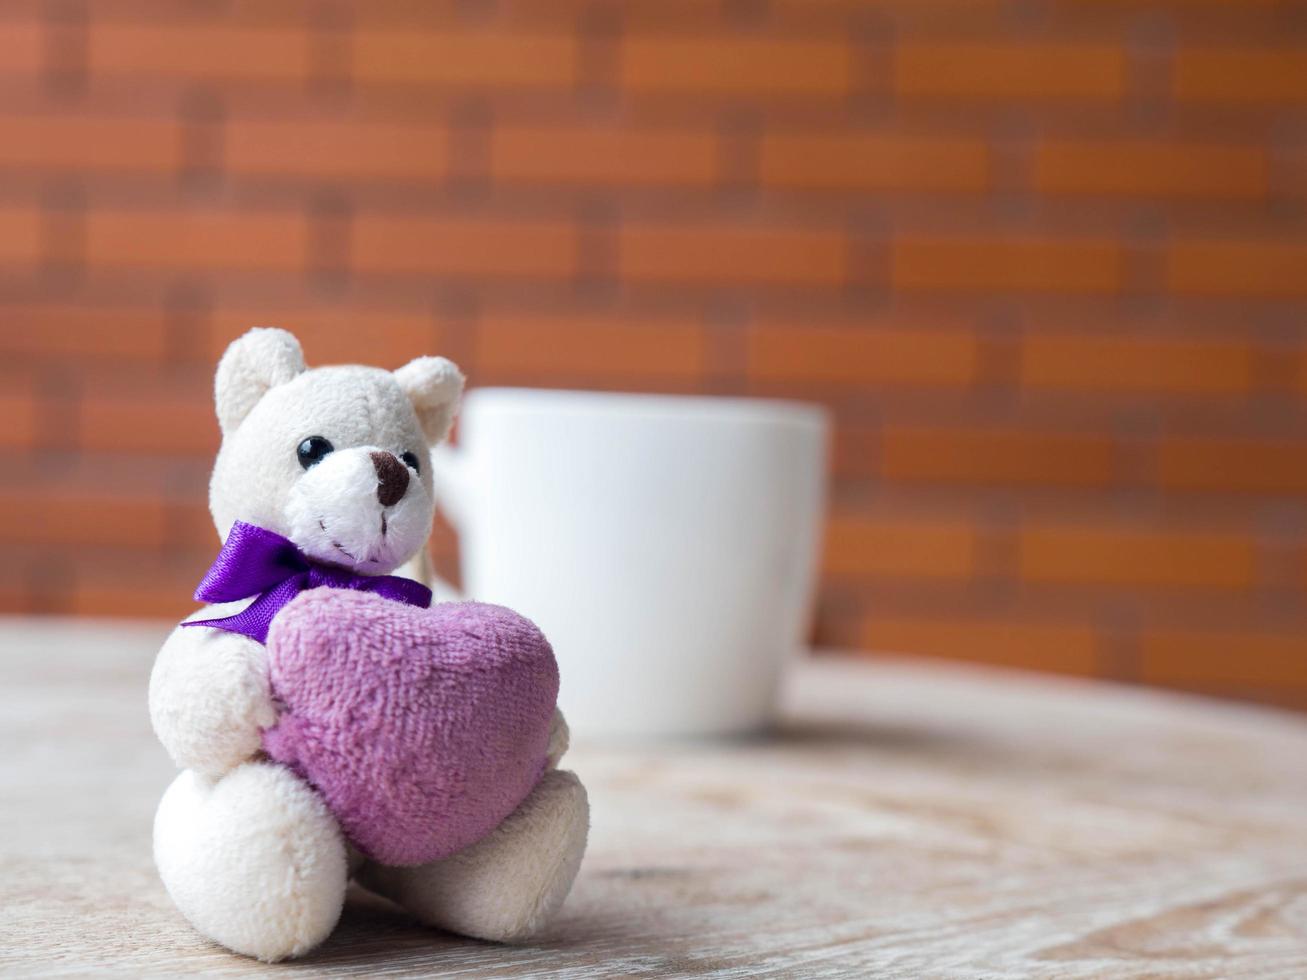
257, 562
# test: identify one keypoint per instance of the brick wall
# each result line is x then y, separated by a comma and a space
1046, 261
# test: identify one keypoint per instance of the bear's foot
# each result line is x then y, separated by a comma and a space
254, 860
506, 886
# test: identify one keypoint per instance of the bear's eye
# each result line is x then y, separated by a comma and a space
312, 450
411, 461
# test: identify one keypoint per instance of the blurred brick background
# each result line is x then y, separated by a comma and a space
1045, 259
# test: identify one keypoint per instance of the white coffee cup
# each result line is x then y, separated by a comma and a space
666, 545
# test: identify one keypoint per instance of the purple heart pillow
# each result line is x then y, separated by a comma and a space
421, 728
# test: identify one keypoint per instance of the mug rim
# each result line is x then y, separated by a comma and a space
655, 405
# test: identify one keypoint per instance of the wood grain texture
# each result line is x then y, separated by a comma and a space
908, 820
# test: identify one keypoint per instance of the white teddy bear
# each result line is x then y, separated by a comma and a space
335, 461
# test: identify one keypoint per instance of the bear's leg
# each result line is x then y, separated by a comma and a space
254, 860
506, 886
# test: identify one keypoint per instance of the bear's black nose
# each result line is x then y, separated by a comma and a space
392, 478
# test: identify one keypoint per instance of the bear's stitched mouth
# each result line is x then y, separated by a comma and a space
345, 551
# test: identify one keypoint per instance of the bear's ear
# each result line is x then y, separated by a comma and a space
260, 359
434, 386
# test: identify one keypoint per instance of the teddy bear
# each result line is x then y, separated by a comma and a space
330, 724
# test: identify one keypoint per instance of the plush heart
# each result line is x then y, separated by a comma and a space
421, 728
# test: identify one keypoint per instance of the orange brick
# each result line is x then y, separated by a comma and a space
1241, 75
735, 66
874, 162
1173, 8
856, 451
1021, 265
1086, 554
1024, 71
148, 422
1055, 647
211, 52
1222, 661
1249, 465
856, 355
20, 235
806, 13
1290, 173
494, 59
207, 239
899, 548
190, 527
996, 456
540, 347
1089, 362
65, 331
334, 335
1152, 168
140, 586
113, 595
343, 149
1232, 268
16, 597
606, 155
84, 518
19, 415
20, 46
711, 253
89, 143
528, 249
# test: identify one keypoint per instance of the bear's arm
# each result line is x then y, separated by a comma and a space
558, 740
209, 698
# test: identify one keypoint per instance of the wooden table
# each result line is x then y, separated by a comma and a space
909, 820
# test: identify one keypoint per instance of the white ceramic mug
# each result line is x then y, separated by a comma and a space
666, 545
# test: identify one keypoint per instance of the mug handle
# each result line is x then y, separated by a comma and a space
449, 478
